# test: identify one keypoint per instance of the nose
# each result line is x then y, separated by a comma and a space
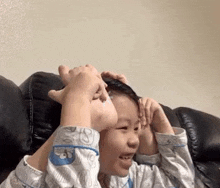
133, 140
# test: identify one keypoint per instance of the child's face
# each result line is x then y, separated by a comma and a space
119, 144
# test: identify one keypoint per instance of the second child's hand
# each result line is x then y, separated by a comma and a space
153, 119
83, 84
79, 79
75, 105
120, 77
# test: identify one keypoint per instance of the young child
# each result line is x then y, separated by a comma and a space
98, 137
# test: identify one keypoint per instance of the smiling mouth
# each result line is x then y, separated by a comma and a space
125, 157
126, 161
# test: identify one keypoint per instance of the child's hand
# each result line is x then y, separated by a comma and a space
152, 114
153, 119
148, 143
120, 77
83, 81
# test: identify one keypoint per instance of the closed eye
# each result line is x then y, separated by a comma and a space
124, 128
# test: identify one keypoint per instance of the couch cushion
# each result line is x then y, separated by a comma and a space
15, 136
44, 113
209, 173
203, 132
171, 116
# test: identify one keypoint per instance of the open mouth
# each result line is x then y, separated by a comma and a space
125, 157
126, 160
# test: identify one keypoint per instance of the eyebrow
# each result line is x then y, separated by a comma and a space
128, 120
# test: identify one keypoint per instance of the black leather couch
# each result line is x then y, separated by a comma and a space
28, 117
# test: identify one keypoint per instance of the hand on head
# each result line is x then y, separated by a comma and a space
82, 98
153, 119
120, 77
152, 114
83, 79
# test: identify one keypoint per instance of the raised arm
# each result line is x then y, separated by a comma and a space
75, 99
76, 137
153, 119
175, 167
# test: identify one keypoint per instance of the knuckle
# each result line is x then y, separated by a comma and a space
71, 71
147, 108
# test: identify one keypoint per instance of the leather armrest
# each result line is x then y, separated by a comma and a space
203, 131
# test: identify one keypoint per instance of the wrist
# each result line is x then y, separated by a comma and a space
74, 95
76, 111
162, 125
150, 150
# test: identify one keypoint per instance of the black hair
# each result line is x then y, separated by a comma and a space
121, 88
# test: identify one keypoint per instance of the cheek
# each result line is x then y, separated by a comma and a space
111, 144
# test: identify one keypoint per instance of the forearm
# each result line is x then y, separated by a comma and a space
76, 112
148, 144
73, 160
175, 157
175, 167
40, 158
162, 124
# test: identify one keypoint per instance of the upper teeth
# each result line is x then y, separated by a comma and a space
125, 157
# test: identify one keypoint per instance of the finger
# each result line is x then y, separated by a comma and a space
122, 78
101, 93
148, 110
109, 74
106, 85
53, 94
103, 73
140, 107
73, 71
152, 113
104, 94
143, 112
94, 70
99, 75
98, 93
89, 65
143, 119
64, 74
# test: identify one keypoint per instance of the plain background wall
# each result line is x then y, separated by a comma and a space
169, 50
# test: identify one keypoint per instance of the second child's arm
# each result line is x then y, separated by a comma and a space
75, 99
81, 117
83, 84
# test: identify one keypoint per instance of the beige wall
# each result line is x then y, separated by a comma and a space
169, 49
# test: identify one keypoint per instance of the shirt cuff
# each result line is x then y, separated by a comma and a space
29, 175
148, 159
179, 139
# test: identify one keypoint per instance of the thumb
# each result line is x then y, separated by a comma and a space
55, 95
101, 93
